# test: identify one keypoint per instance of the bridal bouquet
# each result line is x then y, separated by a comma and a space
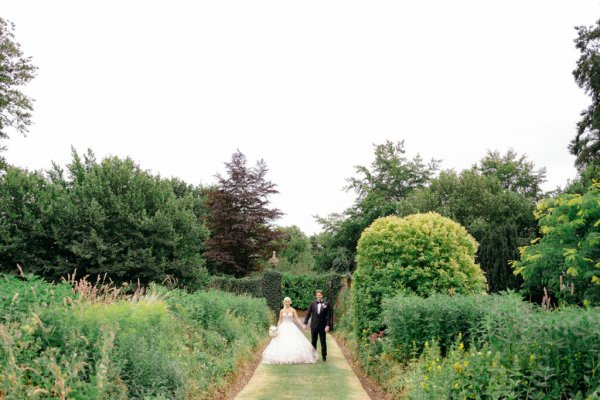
273, 331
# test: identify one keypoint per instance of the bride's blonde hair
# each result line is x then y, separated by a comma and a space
287, 299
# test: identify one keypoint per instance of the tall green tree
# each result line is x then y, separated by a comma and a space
495, 200
390, 178
295, 250
586, 144
515, 172
16, 70
240, 221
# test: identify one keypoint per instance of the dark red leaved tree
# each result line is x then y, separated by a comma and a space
239, 220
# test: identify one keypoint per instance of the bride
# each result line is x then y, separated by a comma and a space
290, 346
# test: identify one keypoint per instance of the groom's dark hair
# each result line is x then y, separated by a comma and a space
318, 291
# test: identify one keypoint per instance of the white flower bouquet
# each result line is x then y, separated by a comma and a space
273, 331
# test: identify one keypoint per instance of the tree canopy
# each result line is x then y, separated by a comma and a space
586, 144
15, 70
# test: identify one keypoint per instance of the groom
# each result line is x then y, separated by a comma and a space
321, 322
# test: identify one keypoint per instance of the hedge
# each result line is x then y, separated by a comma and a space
301, 288
480, 346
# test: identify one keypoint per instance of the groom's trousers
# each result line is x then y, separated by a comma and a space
320, 332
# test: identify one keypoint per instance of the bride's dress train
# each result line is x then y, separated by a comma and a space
290, 346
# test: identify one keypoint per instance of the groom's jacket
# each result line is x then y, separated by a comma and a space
321, 319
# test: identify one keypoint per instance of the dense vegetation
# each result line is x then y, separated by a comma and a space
109, 217
495, 347
421, 253
97, 342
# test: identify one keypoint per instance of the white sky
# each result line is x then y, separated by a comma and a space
309, 86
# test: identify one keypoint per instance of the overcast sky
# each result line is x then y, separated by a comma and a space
308, 86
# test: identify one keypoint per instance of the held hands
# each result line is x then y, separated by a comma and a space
327, 329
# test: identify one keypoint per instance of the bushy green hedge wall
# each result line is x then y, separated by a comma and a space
301, 288
250, 286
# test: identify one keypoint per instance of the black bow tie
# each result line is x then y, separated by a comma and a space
319, 302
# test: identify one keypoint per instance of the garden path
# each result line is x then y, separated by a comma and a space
331, 380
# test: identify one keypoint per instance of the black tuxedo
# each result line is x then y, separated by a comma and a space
318, 322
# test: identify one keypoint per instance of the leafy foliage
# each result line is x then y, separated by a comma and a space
248, 285
166, 344
413, 321
301, 288
483, 201
295, 253
15, 70
390, 178
519, 352
586, 144
566, 259
103, 217
421, 253
514, 172
271, 288
239, 220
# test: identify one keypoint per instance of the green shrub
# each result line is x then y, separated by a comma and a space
421, 254
20, 297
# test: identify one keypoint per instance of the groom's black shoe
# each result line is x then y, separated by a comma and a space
324, 359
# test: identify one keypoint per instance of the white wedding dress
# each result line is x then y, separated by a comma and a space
290, 346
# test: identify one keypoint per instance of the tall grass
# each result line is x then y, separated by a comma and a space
88, 340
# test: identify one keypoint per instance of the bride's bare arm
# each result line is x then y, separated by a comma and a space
298, 320
280, 318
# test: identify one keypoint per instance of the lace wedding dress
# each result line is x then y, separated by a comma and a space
290, 346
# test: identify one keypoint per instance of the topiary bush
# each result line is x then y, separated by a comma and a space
420, 254
271, 288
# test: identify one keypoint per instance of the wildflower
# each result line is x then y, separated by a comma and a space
461, 346
426, 345
456, 385
424, 385
532, 359
457, 368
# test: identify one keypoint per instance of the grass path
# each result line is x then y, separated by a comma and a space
331, 380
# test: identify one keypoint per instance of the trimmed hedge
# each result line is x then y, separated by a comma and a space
249, 286
271, 288
301, 288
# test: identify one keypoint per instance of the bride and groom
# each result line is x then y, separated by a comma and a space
290, 346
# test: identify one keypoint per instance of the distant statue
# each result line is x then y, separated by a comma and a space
273, 260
